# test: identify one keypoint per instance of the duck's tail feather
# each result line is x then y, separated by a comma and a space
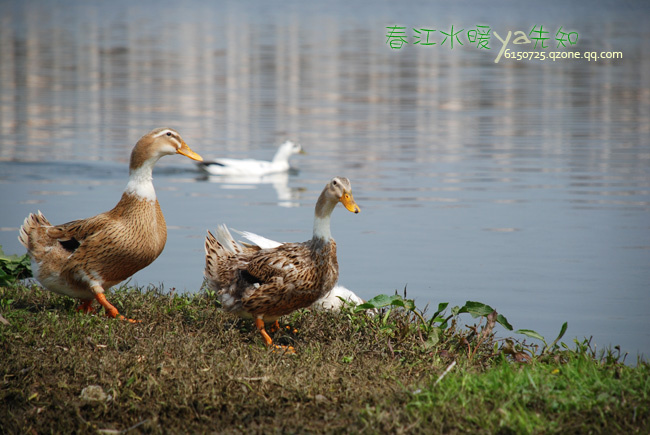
226, 240
220, 257
33, 221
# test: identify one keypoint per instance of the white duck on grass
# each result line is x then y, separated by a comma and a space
280, 163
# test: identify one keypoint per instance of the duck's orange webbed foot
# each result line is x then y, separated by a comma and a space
259, 323
286, 349
276, 327
111, 311
86, 307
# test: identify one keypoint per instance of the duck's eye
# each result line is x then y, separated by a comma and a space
169, 133
334, 183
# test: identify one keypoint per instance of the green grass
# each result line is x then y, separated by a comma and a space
189, 367
578, 396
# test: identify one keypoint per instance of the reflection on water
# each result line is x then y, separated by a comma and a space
286, 196
525, 185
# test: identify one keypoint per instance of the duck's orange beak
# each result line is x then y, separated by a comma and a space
187, 152
348, 201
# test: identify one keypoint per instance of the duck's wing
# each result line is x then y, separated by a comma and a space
288, 261
287, 278
72, 235
40, 237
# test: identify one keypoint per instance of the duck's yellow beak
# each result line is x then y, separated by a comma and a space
348, 201
187, 152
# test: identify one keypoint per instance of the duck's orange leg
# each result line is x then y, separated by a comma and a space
259, 323
111, 311
86, 306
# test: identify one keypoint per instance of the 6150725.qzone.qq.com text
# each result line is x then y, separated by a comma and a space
590, 56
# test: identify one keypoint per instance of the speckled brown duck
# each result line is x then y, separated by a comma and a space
84, 258
264, 284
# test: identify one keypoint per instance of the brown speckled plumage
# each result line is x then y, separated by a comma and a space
112, 246
83, 258
268, 283
291, 276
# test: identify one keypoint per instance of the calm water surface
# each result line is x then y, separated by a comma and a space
524, 185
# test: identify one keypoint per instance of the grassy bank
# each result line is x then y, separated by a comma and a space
189, 367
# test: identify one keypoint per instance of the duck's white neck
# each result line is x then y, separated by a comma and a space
282, 155
322, 217
322, 228
141, 181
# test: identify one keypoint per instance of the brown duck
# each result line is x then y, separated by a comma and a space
265, 284
84, 258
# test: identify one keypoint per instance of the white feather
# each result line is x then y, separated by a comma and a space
141, 181
322, 227
226, 240
258, 240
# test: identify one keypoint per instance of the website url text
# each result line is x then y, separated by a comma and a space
555, 55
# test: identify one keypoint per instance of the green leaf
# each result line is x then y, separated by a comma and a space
565, 325
378, 301
531, 333
13, 267
5, 279
504, 322
441, 307
476, 309
381, 301
433, 339
409, 304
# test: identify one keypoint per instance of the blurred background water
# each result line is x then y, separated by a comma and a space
521, 184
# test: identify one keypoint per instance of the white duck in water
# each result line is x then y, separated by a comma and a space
280, 163
84, 258
265, 284
333, 300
